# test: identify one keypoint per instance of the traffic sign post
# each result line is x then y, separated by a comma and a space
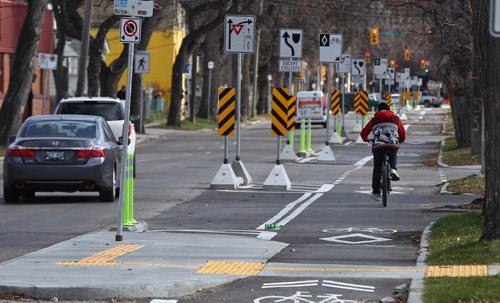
142, 8
291, 43
239, 37
330, 48
239, 34
46, 62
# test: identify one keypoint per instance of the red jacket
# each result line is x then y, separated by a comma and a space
385, 116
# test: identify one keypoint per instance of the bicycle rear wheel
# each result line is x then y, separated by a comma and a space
385, 183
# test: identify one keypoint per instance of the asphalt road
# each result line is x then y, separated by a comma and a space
327, 217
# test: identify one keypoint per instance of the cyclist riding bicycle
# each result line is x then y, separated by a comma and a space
388, 133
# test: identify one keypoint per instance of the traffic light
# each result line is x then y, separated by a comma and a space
374, 36
423, 63
323, 72
429, 31
407, 54
368, 57
393, 63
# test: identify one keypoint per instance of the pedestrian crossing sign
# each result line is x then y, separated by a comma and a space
142, 62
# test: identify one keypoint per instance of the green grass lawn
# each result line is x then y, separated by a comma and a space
472, 184
454, 240
188, 125
454, 156
475, 289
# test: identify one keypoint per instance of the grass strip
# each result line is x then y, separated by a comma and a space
454, 156
474, 289
469, 185
200, 123
454, 240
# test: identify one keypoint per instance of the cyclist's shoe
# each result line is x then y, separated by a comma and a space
375, 197
394, 175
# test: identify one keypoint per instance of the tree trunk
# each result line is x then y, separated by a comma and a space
245, 87
192, 93
477, 100
22, 70
187, 46
263, 93
490, 58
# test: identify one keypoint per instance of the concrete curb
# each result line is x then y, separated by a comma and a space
440, 162
416, 291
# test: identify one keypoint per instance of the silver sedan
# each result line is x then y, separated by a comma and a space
65, 153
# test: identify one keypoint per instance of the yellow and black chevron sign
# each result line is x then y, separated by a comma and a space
335, 102
415, 96
361, 103
226, 117
407, 95
388, 99
279, 112
292, 112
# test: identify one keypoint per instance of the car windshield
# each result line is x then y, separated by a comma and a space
56, 129
109, 111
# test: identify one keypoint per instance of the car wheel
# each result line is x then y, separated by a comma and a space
10, 195
427, 104
109, 194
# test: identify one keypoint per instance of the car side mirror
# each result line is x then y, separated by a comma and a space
12, 139
134, 119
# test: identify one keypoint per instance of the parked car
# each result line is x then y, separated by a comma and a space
111, 109
65, 153
429, 100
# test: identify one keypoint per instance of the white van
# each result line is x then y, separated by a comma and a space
312, 104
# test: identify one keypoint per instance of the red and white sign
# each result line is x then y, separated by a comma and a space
130, 30
47, 61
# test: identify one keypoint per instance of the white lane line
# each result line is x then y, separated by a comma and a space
285, 210
200, 147
290, 283
300, 209
324, 188
349, 284
363, 161
290, 286
346, 287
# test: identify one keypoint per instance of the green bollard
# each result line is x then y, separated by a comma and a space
339, 128
291, 135
309, 136
128, 193
302, 151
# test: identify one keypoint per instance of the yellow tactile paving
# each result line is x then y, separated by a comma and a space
456, 271
231, 268
105, 257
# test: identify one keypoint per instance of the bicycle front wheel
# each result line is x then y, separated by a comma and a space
385, 183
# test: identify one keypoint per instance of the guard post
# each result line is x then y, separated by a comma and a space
226, 118
278, 178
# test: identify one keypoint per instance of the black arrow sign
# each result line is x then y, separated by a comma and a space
229, 23
285, 37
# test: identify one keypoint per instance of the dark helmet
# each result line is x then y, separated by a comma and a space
383, 106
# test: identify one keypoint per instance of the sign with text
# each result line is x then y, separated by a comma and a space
293, 66
139, 8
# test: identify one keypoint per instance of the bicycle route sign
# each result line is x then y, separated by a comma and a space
330, 48
141, 8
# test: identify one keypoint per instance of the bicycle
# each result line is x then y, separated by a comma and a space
385, 181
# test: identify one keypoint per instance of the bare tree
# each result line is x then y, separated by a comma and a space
22, 70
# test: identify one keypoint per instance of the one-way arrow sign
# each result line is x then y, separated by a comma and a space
290, 43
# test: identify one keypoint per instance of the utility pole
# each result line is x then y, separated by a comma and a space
84, 53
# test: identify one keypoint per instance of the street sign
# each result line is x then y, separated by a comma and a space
390, 73
358, 67
291, 43
140, 8
495, 18
239, 34
142, 62
345, 65
330, 48
130, 30
380, 66
47, 61
419, 83
294, 66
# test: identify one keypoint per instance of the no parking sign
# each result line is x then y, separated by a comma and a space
130, 30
